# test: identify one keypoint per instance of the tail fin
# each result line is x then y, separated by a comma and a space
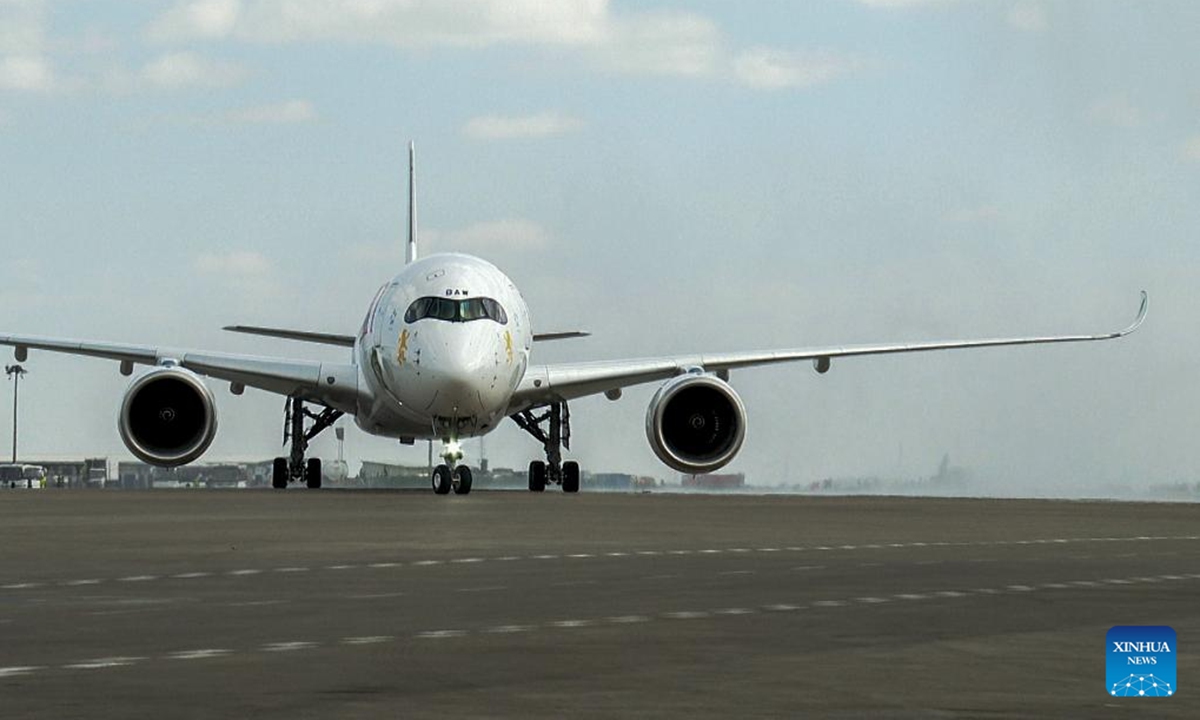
411, 252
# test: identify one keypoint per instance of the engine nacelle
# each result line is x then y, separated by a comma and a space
168, 417
696, 423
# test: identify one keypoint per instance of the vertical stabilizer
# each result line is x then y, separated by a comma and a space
410, 253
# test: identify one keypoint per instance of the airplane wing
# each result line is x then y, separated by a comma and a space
331, 384
552, 383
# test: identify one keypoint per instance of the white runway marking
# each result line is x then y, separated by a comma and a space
201, 654
292, 646
368, 640
100, 663
831, 605
509, 629
440, 634
622, 554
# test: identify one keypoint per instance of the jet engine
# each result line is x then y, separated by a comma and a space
696, 423
168, 417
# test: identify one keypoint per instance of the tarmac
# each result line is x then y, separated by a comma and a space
355, 604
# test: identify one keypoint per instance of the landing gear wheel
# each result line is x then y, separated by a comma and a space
279, 473
441, 479
312, 473
537, 476
462, 480
570, 476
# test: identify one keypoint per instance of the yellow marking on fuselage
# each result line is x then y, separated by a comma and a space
508, 346
402, 348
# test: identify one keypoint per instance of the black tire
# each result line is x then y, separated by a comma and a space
312, 473
570, 476
441, 479
462, 475
537, 476
279, 474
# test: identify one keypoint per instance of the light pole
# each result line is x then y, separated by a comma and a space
15, 372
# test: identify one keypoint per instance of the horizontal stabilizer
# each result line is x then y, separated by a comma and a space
542, 337
300, 335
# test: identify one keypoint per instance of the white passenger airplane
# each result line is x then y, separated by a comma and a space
443, 354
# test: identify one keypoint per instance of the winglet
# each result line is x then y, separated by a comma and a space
410, 253
1141, 316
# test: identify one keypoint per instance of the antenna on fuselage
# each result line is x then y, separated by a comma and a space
410, 253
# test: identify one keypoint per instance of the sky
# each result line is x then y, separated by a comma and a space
674, 177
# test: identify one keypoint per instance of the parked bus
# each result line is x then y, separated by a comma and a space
22, 476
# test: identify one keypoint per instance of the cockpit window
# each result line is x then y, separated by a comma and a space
455, 310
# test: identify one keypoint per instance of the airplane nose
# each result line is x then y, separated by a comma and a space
460, 374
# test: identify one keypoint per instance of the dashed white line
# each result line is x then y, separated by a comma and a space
100, 663
829, 603
734, 611
628, 619
367, 639
467, 561
19, 670
871, 600
686, 615
440, 634
781, 607
190, 575
248, 571
427, 563
200, 654
293, 646
78, 583
138, 578
340, 567
20, 586
290, 570
381, 565
509, 629
570, 623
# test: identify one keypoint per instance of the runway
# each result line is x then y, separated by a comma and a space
294, 604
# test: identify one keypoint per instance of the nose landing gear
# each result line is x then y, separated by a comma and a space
555, 437
447, 476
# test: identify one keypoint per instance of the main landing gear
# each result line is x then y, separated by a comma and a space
448, 476
294, 468
556, 436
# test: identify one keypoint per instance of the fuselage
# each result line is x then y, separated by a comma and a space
441, 350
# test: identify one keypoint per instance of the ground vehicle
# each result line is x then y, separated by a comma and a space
17, 475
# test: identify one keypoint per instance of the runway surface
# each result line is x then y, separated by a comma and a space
197, 604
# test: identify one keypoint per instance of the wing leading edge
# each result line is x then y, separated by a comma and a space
547, 383
331, 384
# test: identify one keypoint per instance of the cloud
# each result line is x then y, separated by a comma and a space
186, 69
1028, 17
203, 19
28, 73
284, 113
22, 27
903, 4
662, 43
404, 23
514, 234
1116, 110
500, 127
237, 263
770, 69
1191, 148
